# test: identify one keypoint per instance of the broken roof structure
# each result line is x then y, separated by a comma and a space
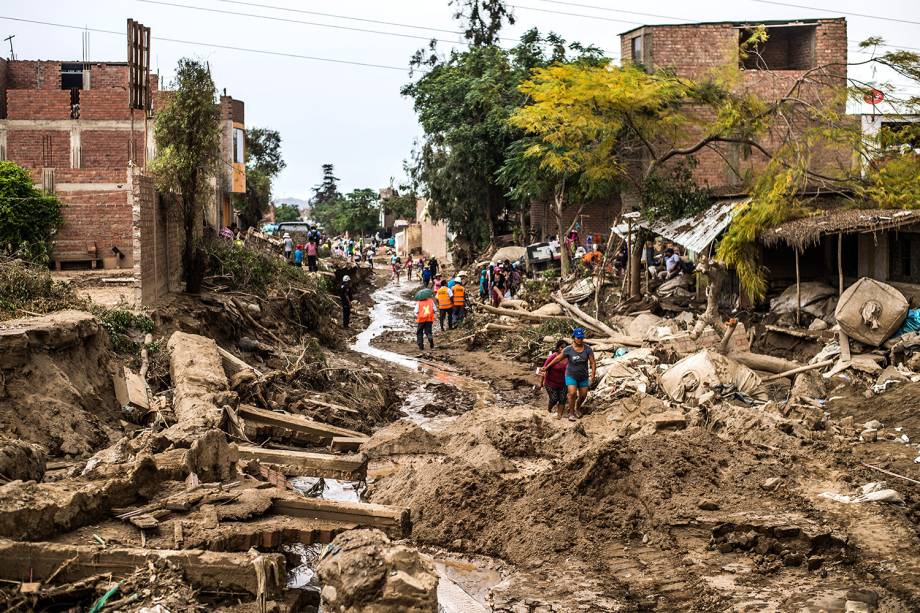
807, 231
695, 232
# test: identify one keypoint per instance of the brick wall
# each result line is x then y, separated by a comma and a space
4, 83
696, 50
31, 104
34, 149
109, 76
110, 148
34, 74
106, 104
596, 217
100, 216
157, 242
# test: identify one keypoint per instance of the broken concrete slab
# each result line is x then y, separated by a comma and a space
258, 574
395, 521
260, 422
198, 378
296, 463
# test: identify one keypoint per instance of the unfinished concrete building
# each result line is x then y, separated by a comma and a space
70, 125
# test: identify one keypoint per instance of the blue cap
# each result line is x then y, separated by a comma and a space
578, 333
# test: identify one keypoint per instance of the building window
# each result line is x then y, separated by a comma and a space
904, 255
786, 48
72, 76
239, 143
637, 54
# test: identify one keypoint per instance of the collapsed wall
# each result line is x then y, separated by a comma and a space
56, 386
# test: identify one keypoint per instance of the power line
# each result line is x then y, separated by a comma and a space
297, 21
348, 17
214, 45
815, 8
539, 10
683, 19
611, 10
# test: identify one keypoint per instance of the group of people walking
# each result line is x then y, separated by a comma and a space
500, 281
448, 299
567, 374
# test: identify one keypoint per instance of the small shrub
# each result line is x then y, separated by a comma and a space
119, 323
27, 289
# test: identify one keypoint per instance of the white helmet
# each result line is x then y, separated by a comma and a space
346, 278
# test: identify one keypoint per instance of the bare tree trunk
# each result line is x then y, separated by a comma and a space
635, 268
525, 231
558, 204
715, 275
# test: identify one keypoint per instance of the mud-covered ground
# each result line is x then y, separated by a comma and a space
627, 511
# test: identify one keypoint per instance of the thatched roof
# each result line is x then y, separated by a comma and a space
801, 233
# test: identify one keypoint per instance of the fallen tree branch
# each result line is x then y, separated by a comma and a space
594, 324
522, 314
795, 371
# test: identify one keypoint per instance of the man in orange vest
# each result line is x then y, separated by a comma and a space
445, 302
458, 311
424, 318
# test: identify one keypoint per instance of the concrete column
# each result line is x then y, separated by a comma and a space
76, 146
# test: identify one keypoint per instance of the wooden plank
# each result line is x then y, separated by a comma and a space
206, 570
317, 431
347, 443
395, 521
302, 463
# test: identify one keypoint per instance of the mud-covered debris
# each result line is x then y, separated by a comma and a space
401, 437
871, 311
695, 375
21, 460
363, 572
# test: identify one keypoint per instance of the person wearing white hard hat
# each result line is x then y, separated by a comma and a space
345, 295
288, 246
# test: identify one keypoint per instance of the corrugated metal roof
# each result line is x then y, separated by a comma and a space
696, 232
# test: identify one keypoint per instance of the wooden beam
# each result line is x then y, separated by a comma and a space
798, 290
764, 363
395, 521
302, 463
521, 314
310, 429
206, 570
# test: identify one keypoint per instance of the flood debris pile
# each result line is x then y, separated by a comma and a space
713, 471
197, 497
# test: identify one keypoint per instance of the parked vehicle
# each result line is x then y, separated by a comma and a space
540, 256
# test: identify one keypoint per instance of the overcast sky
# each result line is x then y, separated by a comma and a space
351, 115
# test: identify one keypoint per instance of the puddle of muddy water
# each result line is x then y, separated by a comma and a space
384, 318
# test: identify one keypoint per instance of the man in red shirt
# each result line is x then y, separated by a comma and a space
554, 380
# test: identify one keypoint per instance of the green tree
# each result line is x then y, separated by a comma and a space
188, 141
28, 218
263, 163
328, 189
357, 212
463, 103
287, 212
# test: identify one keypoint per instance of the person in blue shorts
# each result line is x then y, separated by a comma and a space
580, 356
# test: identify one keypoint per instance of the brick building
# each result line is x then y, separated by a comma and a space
70, 125
793, 47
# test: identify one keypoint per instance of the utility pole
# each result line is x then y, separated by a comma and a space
10, 39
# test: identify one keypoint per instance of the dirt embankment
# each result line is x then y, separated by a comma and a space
57, 387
